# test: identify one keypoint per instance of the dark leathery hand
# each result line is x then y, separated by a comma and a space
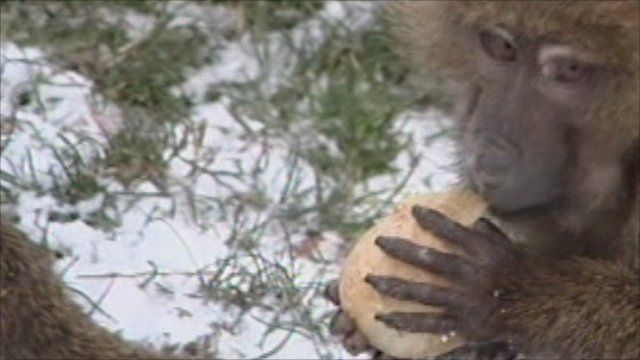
477, 272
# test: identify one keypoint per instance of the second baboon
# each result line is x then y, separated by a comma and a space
549, 127
38, 320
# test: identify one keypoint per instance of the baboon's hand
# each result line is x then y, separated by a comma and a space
345, 328
472, 304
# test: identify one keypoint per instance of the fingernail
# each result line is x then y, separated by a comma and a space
377, 282
383, 241
382, 318
417, 209
420, 211
371, 279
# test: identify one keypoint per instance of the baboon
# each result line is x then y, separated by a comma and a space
37, 318
549, 126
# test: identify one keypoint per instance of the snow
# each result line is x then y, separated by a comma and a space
115, 269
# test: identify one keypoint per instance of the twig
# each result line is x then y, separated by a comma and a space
112, 275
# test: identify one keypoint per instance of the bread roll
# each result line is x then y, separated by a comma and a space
362, 302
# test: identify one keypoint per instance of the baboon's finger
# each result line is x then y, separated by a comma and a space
331, 292
436, 323
356, 343
341, 324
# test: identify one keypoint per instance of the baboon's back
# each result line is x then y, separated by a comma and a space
37, 318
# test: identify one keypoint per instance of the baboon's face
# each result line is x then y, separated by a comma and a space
524, 113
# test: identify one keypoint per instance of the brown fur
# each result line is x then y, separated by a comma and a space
585, 307
37, 318
576, 309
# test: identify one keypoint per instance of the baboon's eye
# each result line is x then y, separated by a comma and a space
497, 45
566, 70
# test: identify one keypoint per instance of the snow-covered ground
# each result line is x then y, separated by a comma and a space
148, 276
